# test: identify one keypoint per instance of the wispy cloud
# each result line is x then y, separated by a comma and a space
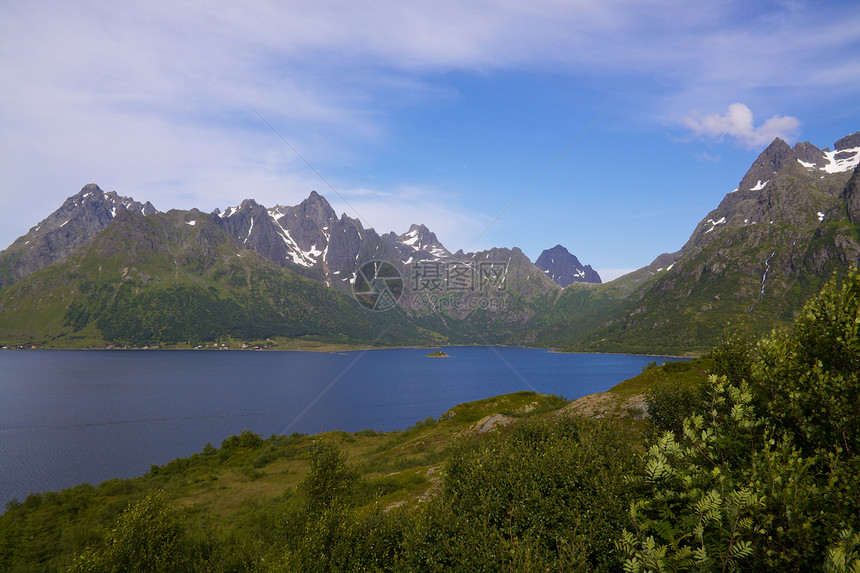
737, 123
705, 156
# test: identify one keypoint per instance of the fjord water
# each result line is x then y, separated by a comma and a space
68, 417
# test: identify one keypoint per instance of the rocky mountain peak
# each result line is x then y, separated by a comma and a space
249, 205
80, 218
807, 155
805, 158
782, 187
420, 238
774, 155
317, 209
89, 188
768, 162
564, 268
848, 142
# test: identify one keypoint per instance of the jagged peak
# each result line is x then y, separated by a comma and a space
315, 198
419, 233
90, 188
249, 204
88, 192
771, 160
561, 249
93, 194
344, 218
317, 208
774, 154
564, 268
848, 142
245, 205
778, 143
420, 238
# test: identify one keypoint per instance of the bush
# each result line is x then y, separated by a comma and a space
146, 537
545, 495
809, 382
670, 402
733, 357
765, 475
329, 477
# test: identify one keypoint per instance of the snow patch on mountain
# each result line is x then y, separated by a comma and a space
841, 160
714, 224
420, 239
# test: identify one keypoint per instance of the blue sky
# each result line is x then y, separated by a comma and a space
610, 127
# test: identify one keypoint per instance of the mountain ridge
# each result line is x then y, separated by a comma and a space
83, 216
751, 261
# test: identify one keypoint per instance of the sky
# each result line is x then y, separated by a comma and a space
609, 127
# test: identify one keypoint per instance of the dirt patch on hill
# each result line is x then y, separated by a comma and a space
607, 404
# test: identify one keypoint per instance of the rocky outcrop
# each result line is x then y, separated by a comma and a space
564, 268
852, 197
848, 142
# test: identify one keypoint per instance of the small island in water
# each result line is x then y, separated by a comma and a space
438, 354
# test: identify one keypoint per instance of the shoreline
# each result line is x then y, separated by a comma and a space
336, 347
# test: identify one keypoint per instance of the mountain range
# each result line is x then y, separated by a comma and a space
105, 269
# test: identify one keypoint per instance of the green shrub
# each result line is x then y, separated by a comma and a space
545, 495
146, 537
330, 478
733, 358
809, 381
765, 475
671, 401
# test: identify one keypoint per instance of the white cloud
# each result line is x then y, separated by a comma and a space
738, 124
705, 156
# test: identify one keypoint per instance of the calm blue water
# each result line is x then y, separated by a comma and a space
68, 417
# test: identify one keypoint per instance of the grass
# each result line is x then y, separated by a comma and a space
397, 463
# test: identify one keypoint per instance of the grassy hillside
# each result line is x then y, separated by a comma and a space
249, 478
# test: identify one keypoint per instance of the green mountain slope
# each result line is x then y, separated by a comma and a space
179, 278
173, 278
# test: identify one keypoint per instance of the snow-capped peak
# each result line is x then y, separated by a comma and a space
420, 238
